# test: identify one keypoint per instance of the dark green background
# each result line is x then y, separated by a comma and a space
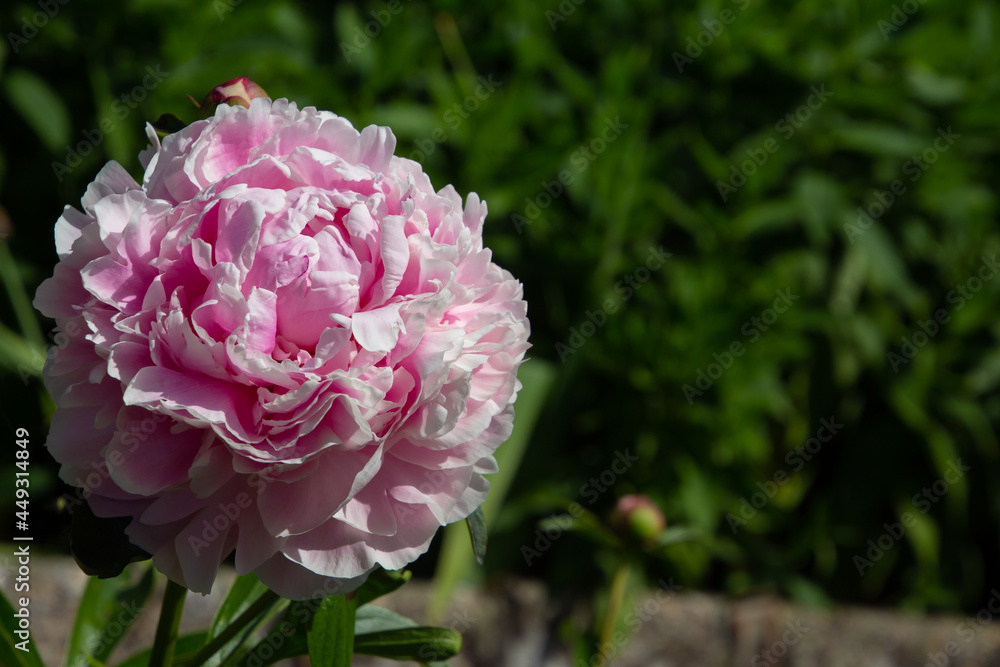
888, 92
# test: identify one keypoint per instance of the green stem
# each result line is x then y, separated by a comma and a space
167, 628
261, 605
615, 600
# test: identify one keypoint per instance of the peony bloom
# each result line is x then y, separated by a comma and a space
287, 345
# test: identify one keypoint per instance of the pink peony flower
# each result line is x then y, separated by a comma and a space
289, 346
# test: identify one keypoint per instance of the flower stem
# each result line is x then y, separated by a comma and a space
260, 605
167, 628
615, 600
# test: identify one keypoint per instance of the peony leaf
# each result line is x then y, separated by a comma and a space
185, 644
9, 654
291, 642
419, 643
331, 635
245, 590
381, 582
477, 533
107, 601
372, 618
100, 546
238, 622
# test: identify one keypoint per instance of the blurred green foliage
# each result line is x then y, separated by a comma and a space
820, 106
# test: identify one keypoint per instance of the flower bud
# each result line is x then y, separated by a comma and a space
234, 92
637, 517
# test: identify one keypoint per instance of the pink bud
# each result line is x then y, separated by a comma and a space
234, 92
638, 517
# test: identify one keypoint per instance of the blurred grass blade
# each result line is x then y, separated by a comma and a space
40, 106
9, 654
105, 601
19, 356
19, 299
244, 592
536, 376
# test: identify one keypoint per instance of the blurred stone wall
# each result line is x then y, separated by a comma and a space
515, 625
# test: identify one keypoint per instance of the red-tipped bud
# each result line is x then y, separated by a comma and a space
235, 92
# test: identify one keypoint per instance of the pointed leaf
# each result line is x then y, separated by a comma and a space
107, 601
419, 643
331, 636
244, 592
477, 533
372, 618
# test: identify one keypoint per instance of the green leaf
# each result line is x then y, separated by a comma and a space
9, 655
186, 644
418, 643
245, 590
20, 357
676, 535
477, 533
372, 618
381, 582
292, 642
168, 123
107, 601
331, 636
100, 546
586, 523
40, 106
881, 139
